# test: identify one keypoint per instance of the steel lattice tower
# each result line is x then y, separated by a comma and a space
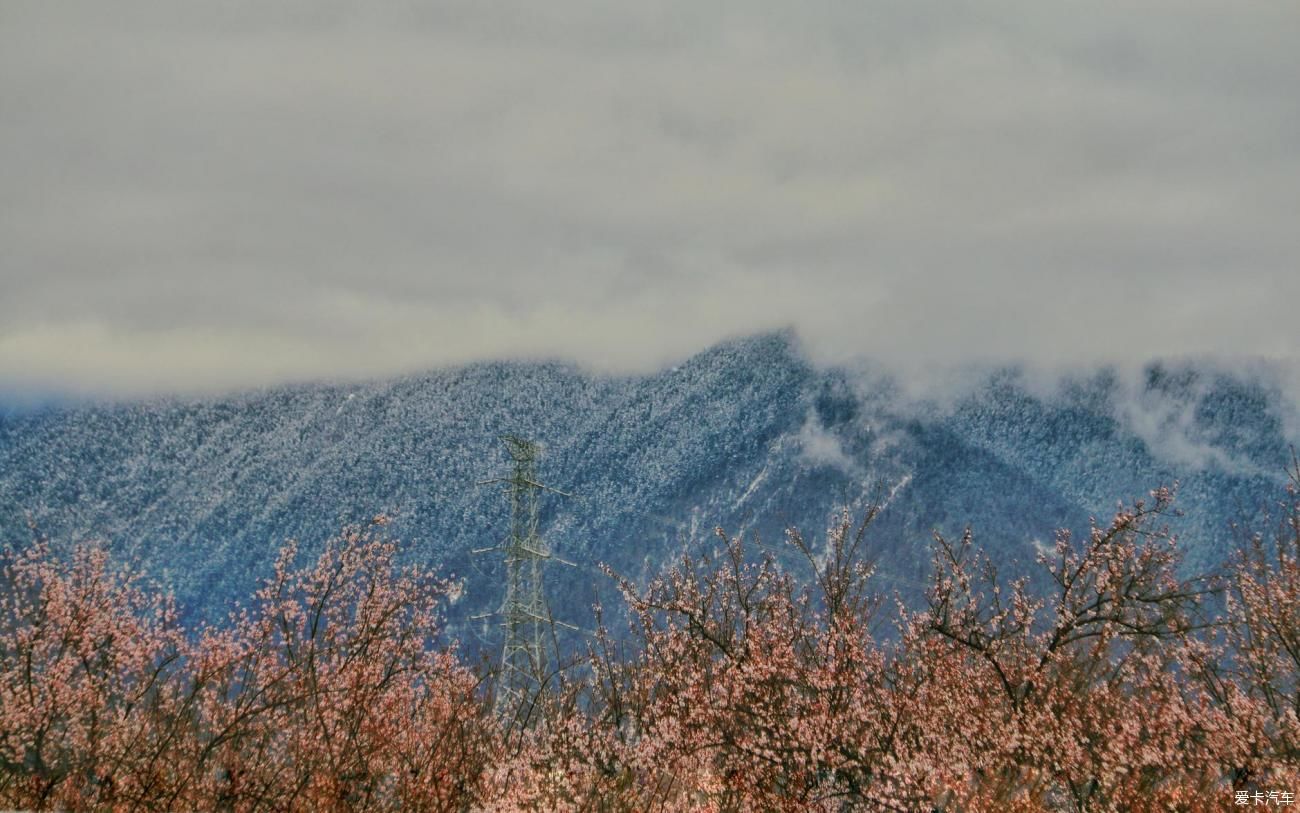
524, 613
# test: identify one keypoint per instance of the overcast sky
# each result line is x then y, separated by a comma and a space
227, 194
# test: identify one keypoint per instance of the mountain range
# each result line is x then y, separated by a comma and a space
749, 435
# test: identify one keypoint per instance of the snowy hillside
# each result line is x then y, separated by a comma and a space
747, 434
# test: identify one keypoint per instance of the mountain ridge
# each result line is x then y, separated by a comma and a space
749, 434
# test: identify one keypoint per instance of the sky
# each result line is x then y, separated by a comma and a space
199, 197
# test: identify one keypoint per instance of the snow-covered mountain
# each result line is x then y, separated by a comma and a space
748, 434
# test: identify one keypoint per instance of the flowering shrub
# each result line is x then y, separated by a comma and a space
326, 694
742, 686
750, 692
89, 675
1254, 677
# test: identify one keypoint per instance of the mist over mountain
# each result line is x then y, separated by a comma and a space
748, 435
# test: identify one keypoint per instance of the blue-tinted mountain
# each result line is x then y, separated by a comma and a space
746, 435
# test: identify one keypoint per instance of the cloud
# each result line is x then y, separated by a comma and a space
1167, 423
200, 197
820, 447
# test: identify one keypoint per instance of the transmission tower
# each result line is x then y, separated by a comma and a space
524, 613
